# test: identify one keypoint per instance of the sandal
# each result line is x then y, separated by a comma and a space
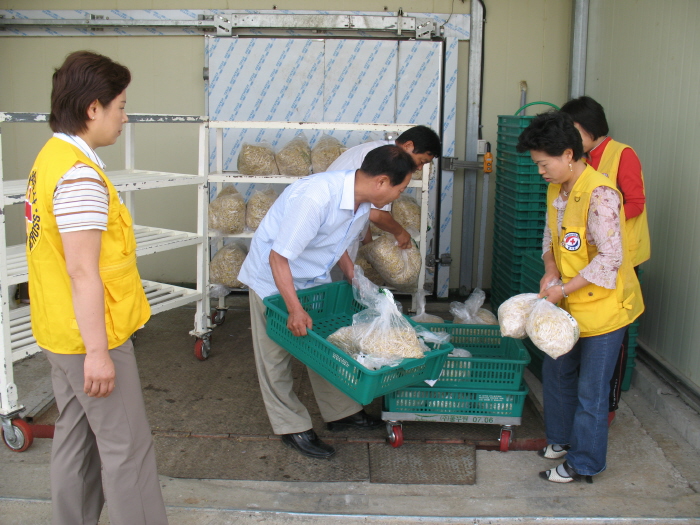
553, 451
564, 474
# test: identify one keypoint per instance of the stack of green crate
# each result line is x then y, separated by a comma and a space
520, 209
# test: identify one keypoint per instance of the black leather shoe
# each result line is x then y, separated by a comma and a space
358, 420
308, 444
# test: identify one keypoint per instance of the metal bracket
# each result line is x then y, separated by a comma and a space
425, 28
453, 163
224, 26
444, 260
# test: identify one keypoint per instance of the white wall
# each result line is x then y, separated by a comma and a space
643, 66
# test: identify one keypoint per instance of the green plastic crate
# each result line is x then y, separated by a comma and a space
519, 159
529, 239
522, 182
509, 208
503, 273
331, 306
507, 144
508, 218
497, 362
536, 358
514, 201
459, 405
532, 194
523, 169
515, 121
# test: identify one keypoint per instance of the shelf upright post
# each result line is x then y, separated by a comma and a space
8, 390
201, 319
129, 163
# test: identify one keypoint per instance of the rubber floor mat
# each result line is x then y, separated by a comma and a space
430, 464
257, 460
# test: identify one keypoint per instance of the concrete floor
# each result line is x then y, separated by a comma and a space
653, 477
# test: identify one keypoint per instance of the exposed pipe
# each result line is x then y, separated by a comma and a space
579, 39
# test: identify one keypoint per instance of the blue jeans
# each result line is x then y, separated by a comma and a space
576, 389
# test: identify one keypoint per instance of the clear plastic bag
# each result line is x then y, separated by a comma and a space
226, 264
398, 267
257, 159
421, 316
369, 271
227, 212
470, 311
295, 157
552, 329
258, 205
513, 314
381, 331
324, 152
406, 211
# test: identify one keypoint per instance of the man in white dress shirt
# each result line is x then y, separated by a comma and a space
304, 234
423, 144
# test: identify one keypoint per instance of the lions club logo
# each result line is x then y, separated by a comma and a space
572, 241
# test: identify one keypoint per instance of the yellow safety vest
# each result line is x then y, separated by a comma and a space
53, 320
597, 310
638, 240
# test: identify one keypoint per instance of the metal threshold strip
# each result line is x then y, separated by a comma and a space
245, 24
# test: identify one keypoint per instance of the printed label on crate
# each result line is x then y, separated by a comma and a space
491, 398
572, 241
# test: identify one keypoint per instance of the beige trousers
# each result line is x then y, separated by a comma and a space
109, 433
287, 414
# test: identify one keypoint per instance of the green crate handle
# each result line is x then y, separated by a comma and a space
535, 103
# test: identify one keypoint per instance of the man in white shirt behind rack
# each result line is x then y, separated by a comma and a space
304, 234
423, 144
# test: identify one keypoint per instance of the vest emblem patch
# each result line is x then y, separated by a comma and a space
572, 241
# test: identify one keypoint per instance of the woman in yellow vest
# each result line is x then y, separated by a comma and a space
622, 166
86, 302
584, 245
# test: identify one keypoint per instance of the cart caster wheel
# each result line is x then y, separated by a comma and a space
395, 435
22, 438
201, 349
504, 440
218, 317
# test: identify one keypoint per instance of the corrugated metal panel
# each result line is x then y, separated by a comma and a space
644, 67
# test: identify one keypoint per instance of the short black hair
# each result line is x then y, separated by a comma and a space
552, 132
588, 114
424, 139
83, 78
391, 161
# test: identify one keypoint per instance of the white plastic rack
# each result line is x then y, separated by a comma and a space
17, 341
219, 175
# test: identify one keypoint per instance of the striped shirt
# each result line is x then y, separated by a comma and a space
311, 224
81, 198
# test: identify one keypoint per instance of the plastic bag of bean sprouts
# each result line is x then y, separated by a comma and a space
380, 335
406, 211
225, 266
369, 272
295, 157
398, 267
470, 311
258, 205
227, 211
514, 312
421, 316
257, 159
324, 152
551, 329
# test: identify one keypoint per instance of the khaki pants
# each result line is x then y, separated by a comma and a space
109, 433
287, 414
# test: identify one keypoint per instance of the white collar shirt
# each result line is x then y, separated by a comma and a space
79, 143
311, 224
352, 159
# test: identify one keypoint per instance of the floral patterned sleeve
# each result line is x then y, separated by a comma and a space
547, 236
604, 232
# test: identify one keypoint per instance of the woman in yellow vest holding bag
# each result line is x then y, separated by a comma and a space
584, 245
622, 166
86, 302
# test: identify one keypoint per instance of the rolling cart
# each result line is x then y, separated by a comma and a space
486, 388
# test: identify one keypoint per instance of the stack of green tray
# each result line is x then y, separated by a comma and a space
520, 210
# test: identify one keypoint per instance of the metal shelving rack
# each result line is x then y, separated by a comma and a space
17, 340
219, 175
